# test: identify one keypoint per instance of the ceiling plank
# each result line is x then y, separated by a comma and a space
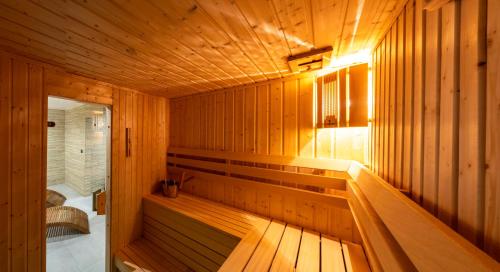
182, 47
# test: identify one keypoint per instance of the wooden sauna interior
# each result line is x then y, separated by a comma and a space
315, 135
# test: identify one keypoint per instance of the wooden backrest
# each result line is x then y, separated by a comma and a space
300, 191
399, 235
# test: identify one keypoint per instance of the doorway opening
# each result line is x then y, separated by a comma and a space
78, 180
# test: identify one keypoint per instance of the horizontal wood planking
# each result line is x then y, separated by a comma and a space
329, 181
336, 165
303, 208
448, 135
24, 88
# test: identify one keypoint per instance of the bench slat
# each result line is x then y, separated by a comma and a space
185, 240
309, 254
174, 252
174, 248
288, 250
239, 215
201, 216
238, 259
221, 216
331, 254
156, 257
136, 259
263, 256
354, 257
178, 220
189, 233
125, 264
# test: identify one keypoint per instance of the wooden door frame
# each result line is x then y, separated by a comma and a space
109, 160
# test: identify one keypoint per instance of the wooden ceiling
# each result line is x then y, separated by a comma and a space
180, 47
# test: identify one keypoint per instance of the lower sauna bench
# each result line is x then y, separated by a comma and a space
193, 234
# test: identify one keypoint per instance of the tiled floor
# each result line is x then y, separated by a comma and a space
78, 253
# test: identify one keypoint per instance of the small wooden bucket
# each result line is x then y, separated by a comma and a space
170, 190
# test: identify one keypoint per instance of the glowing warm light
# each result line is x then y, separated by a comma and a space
348, 143
370, 92
337, 63
359, 11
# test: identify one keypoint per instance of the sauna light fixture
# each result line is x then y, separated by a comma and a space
311, 60
362, 56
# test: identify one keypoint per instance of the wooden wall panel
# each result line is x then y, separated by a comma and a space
239, 114
290, 102
305, 115
399, 92
472, 119
270, 118
377, 98
492, 182
24, 87
249, 119
358, 89
20, 157
5, 160
36, 165
431, 109
382, 121
228, 122
387, 104
418, 105
408, 88
392, 106
210, 113
262, 120
219, 120
276, 119
450, 112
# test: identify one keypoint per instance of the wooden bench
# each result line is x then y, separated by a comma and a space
190, 233
283, 247
399, 235
143, 255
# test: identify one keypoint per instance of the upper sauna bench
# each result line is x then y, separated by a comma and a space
260, 212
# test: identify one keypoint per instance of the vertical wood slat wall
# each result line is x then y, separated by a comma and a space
138, 174
270, 118
436, 112
24, 85
22, 160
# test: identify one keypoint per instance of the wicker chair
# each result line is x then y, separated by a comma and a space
62, 218
54, 199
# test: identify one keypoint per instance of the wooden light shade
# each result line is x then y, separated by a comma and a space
343, 98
